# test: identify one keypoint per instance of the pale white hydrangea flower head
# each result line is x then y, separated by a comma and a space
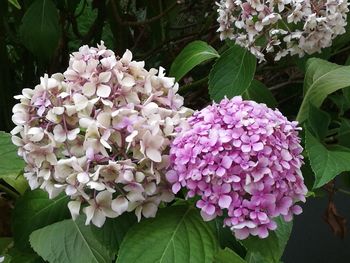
100, 132
282, 27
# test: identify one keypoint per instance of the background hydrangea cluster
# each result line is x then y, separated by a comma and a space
243, 159
282, 26
101, 133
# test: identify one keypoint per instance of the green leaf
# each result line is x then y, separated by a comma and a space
35, 210
232, 73
271, 248
228, 256
225, 236
113, 231
258, 92
319, 121
326, 164
192, 55
17, 256
15, 3
322, 78
256, 257
11, 165
343, 135
40, 30
178, 234
69, 241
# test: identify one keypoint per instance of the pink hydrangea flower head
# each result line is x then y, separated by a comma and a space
243, 158
100, 132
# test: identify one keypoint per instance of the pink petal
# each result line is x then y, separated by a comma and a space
226, 162
171, 176
246, 148
176, 188
225, 201
258, 146
220, 171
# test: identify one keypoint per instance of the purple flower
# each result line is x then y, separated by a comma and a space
242, 157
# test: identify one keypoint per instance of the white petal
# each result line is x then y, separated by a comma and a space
70, 109
127, 57
74, 208
120, 204
104, 198
59, 133
17, 141
37, 134
104, 119
105, 144
97, 186
89, 212
149, 210
128, 82
131, 136
72, 134
80, 101
89, 89
16, 130
104, 77
103, 91
58, 110
71, 190
99, 218
79, 66
154, 155
83, 177
150, 188
150, 108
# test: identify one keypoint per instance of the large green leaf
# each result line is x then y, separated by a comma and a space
228, 256
232, 73
322, 78
192, 55
10, 164
69, 241
114, 230
270, 249
35, 210
178, 234
258, 92
318, 121
40, 29
325, 163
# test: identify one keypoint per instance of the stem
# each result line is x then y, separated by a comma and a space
344, 191
186, 88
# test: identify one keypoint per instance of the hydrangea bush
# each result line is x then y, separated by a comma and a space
100, 132
243, 159
110, 160
282, 27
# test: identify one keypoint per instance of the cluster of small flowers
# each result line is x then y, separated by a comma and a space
242, 157
288, 26
100, 132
